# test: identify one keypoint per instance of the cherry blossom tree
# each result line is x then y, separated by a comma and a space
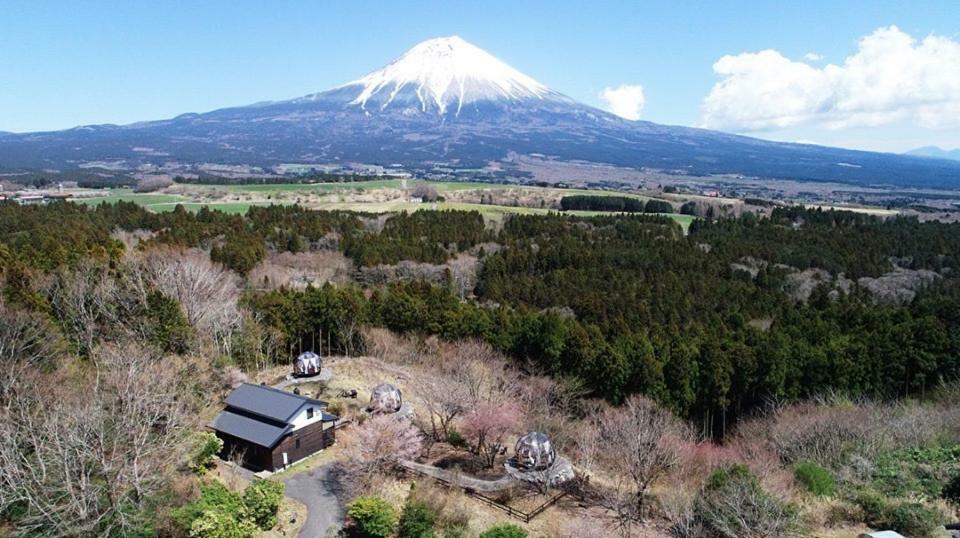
379, 445
486, 427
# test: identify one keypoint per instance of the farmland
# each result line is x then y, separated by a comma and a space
374, 196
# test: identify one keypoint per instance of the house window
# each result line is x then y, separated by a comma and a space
309, 413
297, 443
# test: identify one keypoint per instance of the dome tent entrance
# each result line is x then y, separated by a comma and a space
307, 364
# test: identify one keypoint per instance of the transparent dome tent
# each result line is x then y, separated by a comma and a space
307, 364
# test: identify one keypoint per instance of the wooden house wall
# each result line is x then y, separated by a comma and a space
313, 438
254, 456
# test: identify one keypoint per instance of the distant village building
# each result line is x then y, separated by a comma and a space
268, 429
31, 199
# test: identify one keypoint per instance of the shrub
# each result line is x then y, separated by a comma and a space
450, 513
504, 530
372, 517
722, 477
262, 500
909, 518
336, 408
918, 470
208, 446
417, 520
213, 497
873, 504
220, 512
456, 531
814, 478
951, 491
455, 439
914, 519
217, 524
733, 503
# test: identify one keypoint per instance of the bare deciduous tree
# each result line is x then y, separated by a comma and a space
425, 192
207, 292
86, 300
445, 399
27, 342
85, 454
464, 376
152, 184
632, 446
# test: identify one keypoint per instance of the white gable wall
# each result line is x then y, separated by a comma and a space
300, 419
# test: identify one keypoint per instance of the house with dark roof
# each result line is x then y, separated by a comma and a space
268, 429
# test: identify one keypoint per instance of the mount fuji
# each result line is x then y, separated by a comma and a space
448, 105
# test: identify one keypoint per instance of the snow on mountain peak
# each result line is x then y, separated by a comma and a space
444, 74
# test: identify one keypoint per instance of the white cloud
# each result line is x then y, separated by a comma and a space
626, 100
812, 57
892, 77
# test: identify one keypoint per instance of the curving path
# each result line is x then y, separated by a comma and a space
319, 491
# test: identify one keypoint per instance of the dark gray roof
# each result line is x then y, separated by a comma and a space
250, 429
268, 402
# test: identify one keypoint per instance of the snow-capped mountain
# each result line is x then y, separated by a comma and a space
442, 76
448, 104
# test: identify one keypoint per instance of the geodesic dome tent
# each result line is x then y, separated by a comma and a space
307, 364
535, 451
385, 398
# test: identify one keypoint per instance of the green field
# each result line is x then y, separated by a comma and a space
308, 187
127, 195
493, 213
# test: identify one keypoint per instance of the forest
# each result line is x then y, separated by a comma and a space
132, 323
614, 203
628, 304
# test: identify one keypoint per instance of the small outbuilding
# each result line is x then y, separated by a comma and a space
269, 429
307, 364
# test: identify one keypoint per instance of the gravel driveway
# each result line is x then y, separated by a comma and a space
318, 490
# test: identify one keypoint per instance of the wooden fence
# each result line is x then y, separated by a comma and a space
525, 517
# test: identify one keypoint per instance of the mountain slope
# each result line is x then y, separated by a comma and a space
446, 102
936, 152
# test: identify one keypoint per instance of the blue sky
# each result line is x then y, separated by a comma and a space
70, 63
